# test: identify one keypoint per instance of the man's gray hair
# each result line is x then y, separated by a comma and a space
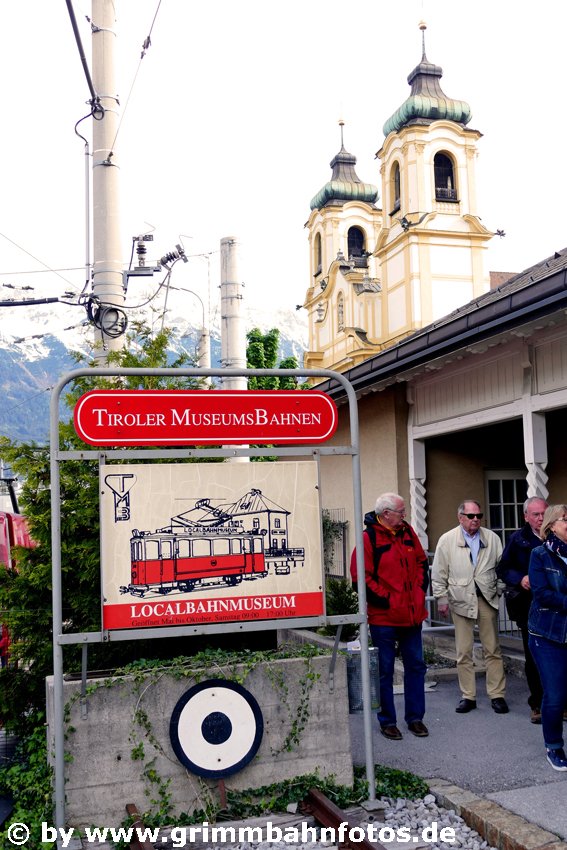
461, 508
387, 502
533, 499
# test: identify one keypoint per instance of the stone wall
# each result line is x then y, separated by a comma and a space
102, 777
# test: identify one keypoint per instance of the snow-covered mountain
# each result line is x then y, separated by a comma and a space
37, 345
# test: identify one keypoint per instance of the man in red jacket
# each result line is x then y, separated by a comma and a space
397, 577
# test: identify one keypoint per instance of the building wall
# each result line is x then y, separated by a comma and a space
383, 451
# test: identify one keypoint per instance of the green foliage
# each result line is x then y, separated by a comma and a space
256, 802
28, 780
274, 798
399, 783
262, 353
333, 531
340, 598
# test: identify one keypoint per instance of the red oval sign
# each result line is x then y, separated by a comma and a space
204, 417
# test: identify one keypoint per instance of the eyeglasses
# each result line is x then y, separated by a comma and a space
473, 516
561, 519
394, 511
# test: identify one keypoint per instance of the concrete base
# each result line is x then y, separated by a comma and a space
102, 777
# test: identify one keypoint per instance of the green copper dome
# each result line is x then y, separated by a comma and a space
427, 102
344, 184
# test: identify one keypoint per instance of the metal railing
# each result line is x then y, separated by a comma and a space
443, 194
506, 627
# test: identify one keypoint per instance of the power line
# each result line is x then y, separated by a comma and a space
28, 302
46, 270
28, 399
145, 47
37, 260
19, 339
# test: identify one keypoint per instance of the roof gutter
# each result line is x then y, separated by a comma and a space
530, 302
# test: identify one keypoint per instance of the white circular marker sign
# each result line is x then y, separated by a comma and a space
216, 728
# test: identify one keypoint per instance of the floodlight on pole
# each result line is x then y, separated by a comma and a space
204, 346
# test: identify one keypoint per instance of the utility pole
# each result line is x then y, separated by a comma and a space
233, 339
107, 286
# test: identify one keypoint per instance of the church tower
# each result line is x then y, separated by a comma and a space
343, 231
418, 258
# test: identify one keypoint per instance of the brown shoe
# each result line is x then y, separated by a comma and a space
392, 733
535, 716
565, 716
418, 729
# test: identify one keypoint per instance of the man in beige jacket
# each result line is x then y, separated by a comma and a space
463, 579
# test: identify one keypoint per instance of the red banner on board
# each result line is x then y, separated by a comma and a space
149, 613
204, 417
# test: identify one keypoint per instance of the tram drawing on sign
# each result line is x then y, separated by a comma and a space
213, 544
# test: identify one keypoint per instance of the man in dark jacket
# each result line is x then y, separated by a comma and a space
513, 570
397, 576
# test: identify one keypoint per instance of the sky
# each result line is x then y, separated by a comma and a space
229, 122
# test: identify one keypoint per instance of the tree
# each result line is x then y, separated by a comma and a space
25, 591
262, 353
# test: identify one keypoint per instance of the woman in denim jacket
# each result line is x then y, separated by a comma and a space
547, 626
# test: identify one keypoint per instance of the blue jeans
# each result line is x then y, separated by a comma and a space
551, 660
408, 638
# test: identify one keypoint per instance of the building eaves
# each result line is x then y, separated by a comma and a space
536, 292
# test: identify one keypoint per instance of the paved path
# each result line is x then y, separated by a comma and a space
498, 757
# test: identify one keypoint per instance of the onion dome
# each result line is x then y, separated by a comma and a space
344, 184
427, 102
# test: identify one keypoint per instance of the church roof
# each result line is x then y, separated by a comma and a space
427, 101
344, 184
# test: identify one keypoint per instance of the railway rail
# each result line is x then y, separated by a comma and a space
315, 806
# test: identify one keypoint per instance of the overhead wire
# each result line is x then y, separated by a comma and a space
83, 58
42, 271
18, 340
145, 47
46, 267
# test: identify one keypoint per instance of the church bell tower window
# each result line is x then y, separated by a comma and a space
357, 246
318, 254
395, 188
445, 188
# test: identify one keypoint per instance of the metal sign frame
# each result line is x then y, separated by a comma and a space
58, 456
